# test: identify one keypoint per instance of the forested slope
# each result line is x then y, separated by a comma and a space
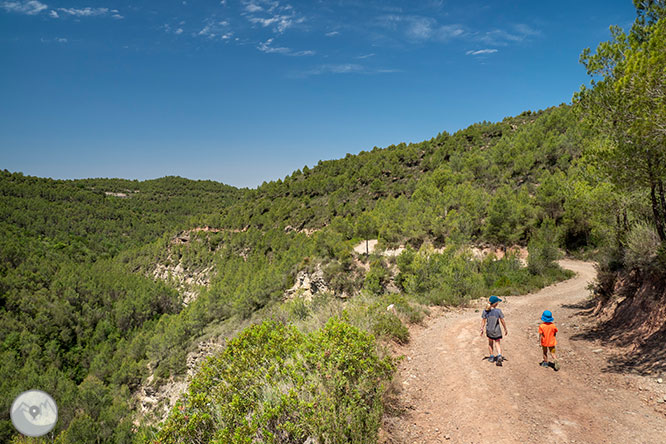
85, 315
67, 304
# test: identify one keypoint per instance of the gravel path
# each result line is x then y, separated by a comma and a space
450, 394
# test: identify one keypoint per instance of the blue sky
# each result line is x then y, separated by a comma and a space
242, 91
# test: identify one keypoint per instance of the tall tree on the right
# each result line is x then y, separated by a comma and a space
626, 101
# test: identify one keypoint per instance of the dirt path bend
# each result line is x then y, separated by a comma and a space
451, 394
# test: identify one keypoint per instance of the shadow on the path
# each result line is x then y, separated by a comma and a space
643, 355
586, 307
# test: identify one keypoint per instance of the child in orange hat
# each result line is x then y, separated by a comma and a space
547, 339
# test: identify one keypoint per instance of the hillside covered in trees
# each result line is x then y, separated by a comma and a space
108, 287
82, 304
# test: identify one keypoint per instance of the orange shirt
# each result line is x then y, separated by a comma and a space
547, 332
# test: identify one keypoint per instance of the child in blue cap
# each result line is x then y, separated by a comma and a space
548, 340
491, 319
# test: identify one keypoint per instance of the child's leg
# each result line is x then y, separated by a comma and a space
545, 353
556, 365
490, 346
499, 348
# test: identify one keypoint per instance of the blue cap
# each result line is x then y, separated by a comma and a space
493, 299
547, 316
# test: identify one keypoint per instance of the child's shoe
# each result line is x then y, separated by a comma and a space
556, 365
498, 361
491, 358
544, 364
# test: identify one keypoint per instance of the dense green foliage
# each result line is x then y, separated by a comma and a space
437, 187
274, 384
67, 307
626, 104
94, 218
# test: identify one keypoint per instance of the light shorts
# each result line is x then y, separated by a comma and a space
545, 349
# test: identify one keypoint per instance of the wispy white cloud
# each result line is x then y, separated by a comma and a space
269, 49
214, 29
61, 40
171, 30
365, 56
84, 12
481, 52
332, 34
527, 30
420, 28
253, 7
281, 22
343, 68
31, 7
270, 13
502, 37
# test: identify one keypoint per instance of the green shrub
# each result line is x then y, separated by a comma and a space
642, 246
274, 384
298, 307
342, 277
411, 311
441, 296
377, 277
388, 325
542, 248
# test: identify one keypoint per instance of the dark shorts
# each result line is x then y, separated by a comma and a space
494, 339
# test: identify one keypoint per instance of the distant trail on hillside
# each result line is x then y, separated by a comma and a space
451, 394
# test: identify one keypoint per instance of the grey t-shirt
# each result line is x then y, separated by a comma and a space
493, 328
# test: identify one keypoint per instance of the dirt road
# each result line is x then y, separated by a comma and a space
451, 394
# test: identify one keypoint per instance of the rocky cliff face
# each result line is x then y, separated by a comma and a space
308, 284
154, 402
189, 282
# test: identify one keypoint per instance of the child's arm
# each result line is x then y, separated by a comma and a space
540, 335
483, 325
506, 332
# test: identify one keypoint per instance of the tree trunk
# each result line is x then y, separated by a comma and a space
656, 210
619, 229
662, 199
658, 218
367, 253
